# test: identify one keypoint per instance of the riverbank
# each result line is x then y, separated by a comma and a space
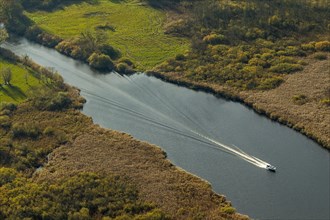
90, 148
76, 146
309, 118
292, 112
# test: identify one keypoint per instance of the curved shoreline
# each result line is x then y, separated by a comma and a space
231, 94
228, 94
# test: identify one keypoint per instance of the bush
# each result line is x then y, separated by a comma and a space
308, 47
299, 99
228, 210
65, 47
286, 68
8, 106
101, 62
270, 83
36, 34
320, 56
7, 175
33, 32
215, 39
127, 61
109, 50
325, 101
21, 130
124, 68
59, 102
322, 46
180, 57
4, 121
49, 100
49, 131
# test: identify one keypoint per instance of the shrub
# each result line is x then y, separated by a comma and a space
325, 101
66, 47
308, 47
21, 130
127, 61
270, 83
291, 51
286, 68
49, 131
59, 102
109, 50
257, 62
49, 40
33, 32
322, 46
228, 209
299, 99
4, 121
124, 68
7, 175
215, 39
180, 57
101, 62
179, 27
320, 56
49, 100
8, 106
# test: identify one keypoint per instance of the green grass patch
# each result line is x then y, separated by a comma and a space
136, 30
17, 92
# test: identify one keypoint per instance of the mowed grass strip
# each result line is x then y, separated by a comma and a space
19, 88
138, 30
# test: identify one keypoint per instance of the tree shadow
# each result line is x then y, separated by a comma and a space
117, 1
13, 92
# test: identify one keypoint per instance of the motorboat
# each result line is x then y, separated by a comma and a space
271, 168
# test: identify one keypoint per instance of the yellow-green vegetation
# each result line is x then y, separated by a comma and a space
83, 196
134, 29
248, 44
22, 81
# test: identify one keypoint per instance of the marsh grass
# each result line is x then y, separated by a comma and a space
136, 30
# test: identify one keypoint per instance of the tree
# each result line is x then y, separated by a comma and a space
3, 35
6, 74
11, 14
9, 10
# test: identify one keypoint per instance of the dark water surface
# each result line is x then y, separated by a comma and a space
189, 124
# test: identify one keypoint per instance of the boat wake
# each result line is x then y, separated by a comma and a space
187, 132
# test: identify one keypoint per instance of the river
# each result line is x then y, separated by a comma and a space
221, 141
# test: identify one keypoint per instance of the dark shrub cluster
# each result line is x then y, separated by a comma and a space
83, 196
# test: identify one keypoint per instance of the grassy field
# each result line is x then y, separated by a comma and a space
137, 29
17, 92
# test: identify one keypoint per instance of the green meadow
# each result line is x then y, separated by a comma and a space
136, 30
22, 81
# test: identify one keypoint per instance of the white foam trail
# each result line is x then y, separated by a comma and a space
251, 159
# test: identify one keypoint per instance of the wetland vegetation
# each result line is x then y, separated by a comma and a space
256, 51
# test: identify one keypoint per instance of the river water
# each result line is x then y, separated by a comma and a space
220, 141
